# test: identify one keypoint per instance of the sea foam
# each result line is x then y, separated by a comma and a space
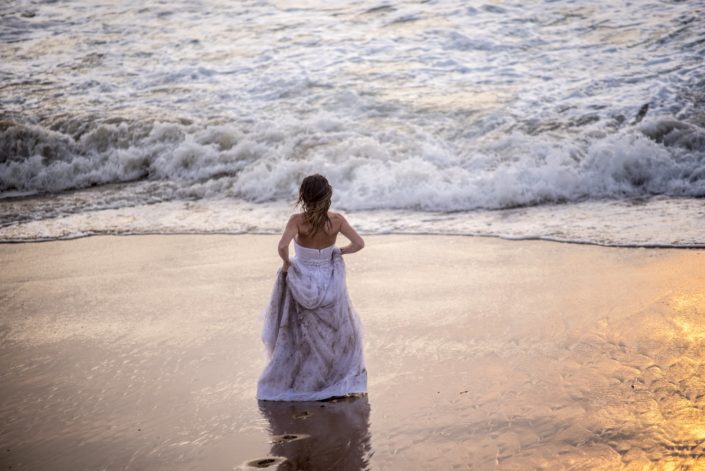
658, 157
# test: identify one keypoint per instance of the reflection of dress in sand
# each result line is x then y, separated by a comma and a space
311, 332
313, 436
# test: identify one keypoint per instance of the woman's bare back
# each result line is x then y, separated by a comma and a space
325, 237
297, 229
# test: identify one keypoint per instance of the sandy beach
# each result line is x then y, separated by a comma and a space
142, 352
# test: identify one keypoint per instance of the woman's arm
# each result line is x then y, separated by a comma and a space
283, 247
356, 243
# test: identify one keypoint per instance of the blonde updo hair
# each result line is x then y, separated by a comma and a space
315, 194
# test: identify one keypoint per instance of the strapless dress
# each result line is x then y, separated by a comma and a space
312, 334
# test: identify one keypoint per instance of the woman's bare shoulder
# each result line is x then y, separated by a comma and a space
336, 217
295, 218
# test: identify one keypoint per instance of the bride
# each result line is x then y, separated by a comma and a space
312, 334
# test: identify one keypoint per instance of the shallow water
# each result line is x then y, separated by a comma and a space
426, 110
656, 222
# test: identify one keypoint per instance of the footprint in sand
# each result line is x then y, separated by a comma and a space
302, 415
265, 462
289, 437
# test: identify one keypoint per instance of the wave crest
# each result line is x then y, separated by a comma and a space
375, 171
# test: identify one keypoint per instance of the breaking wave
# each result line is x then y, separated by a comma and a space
656, 157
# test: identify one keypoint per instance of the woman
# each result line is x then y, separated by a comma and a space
312, 334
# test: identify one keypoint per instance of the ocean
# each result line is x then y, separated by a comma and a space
559, 120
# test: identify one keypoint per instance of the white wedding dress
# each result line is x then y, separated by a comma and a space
311, 332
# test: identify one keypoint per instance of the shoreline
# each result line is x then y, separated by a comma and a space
371, 234
144, 352
660, 222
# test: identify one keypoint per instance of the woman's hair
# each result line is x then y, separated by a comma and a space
314, 197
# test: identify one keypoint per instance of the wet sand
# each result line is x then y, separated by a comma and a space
142, 352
